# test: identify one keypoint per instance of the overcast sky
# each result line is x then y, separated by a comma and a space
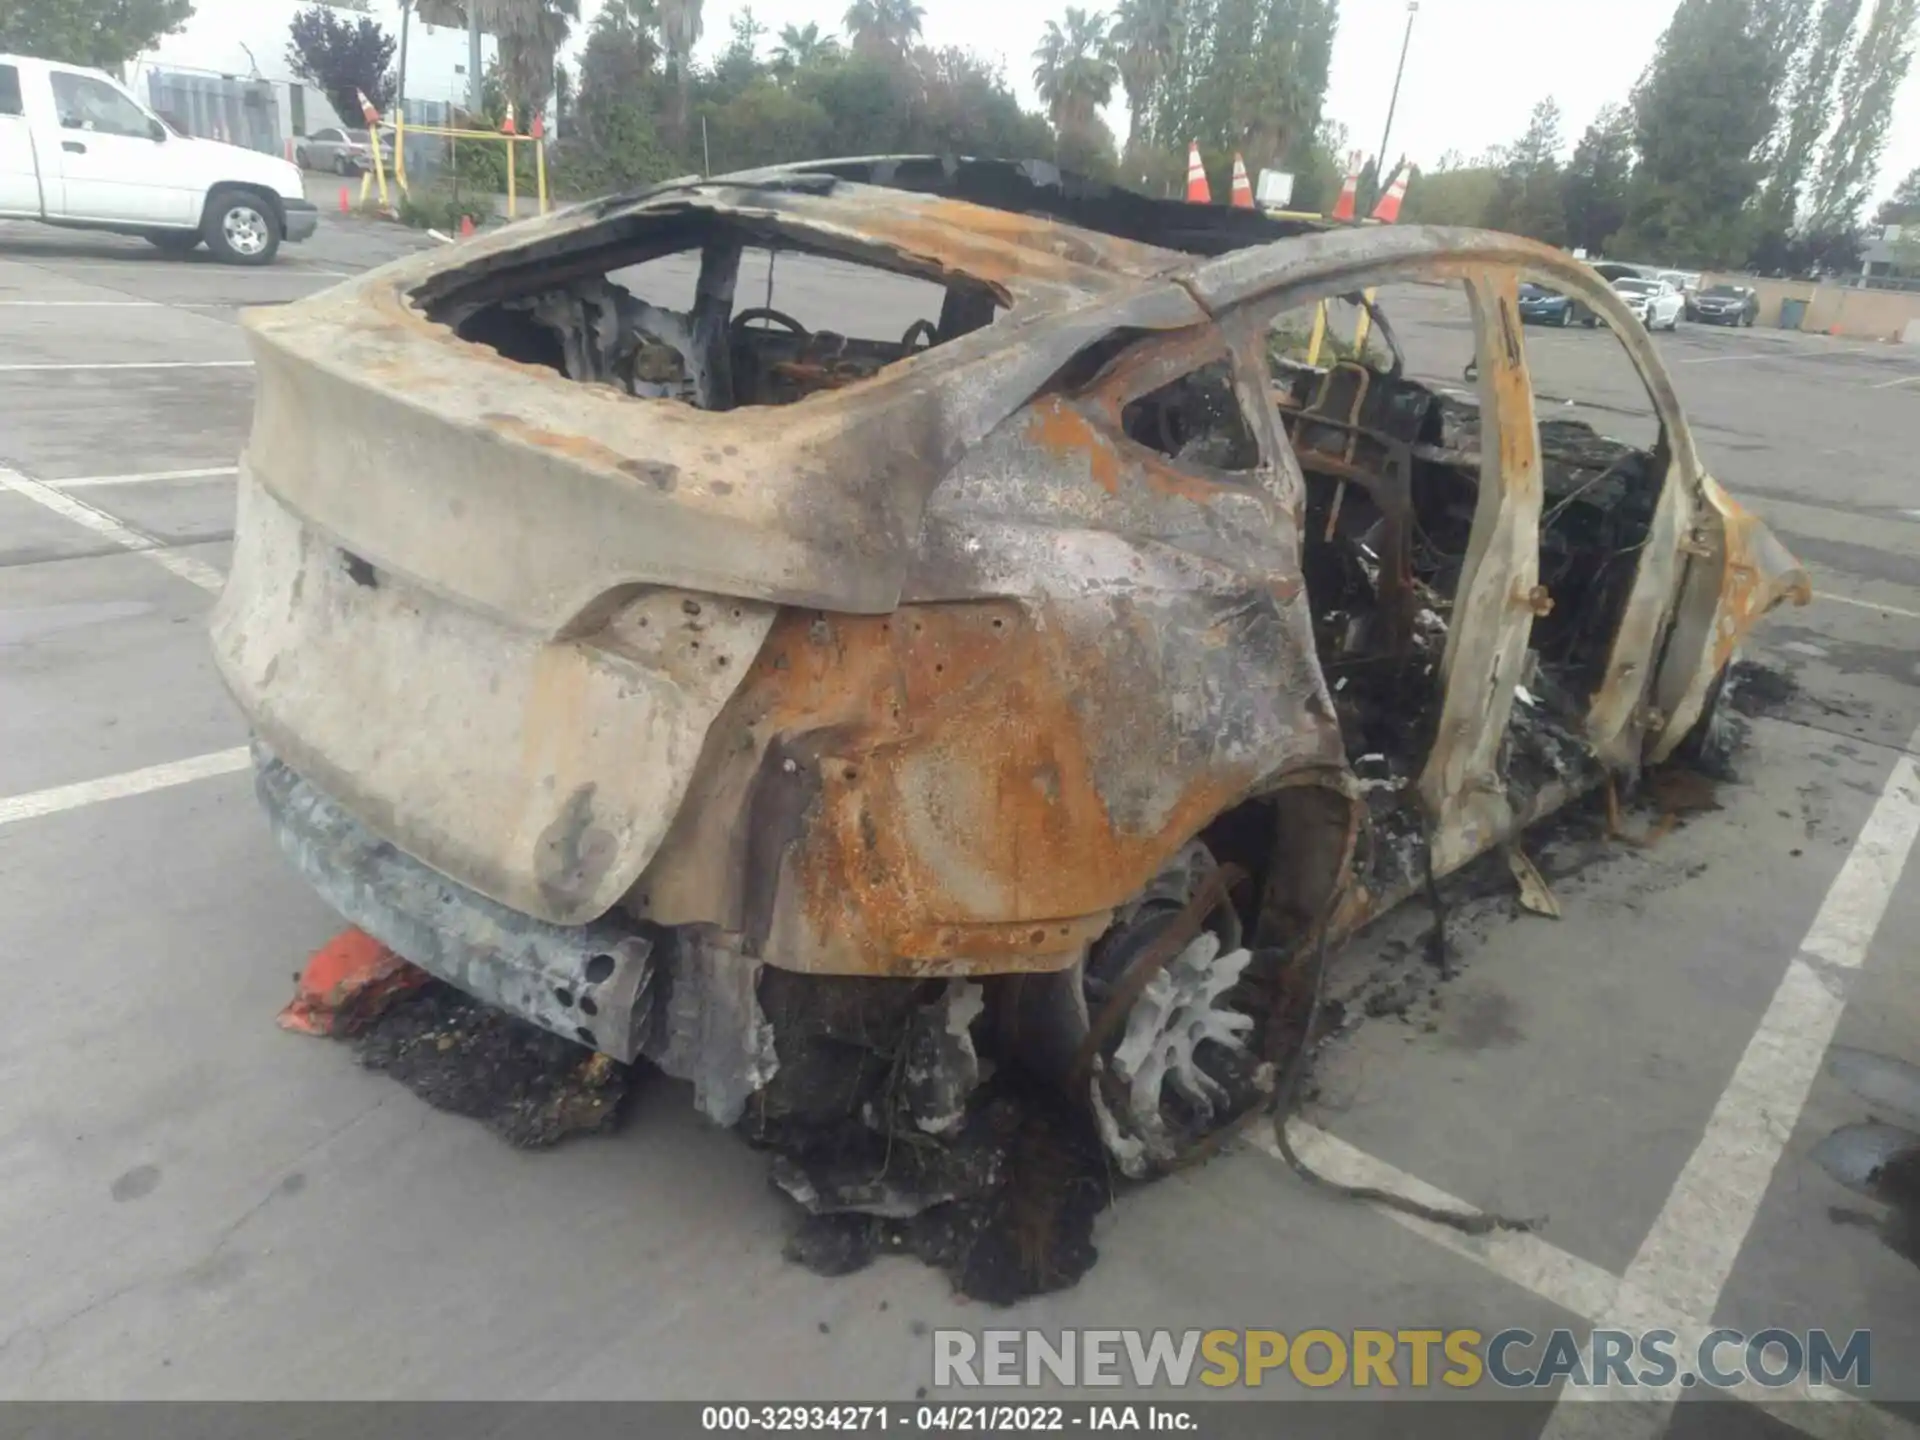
1475, 69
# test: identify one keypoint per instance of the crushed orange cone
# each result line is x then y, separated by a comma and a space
1242, 187
347, 982
1388, 210
346, 202
1349, 191
539, 127
1197, 188
466, 226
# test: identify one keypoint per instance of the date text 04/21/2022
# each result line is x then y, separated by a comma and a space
943, 1419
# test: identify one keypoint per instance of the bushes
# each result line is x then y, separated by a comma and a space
436, 209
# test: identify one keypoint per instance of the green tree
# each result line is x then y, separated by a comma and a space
1702, 113
1808, 110
1595, 185
802, 46
1073, 72
102, 33
1455, 195
884, 30
1874, 74
1529, 198
345, 59
680, 27
1247, 76
1144, 38
617, 72
1903, 206
739, 64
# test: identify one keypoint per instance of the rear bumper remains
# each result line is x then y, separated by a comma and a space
683, 999
587, 982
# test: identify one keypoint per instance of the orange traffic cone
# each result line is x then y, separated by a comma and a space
540, 127
1388, 210
507, 126
1197, 190
1349, 191
1242, 188
466, 226
346, 204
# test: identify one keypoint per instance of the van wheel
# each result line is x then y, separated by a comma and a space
242, 228
174, 242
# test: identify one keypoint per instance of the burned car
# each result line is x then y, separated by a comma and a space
832, 720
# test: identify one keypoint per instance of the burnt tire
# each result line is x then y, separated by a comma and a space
242, 227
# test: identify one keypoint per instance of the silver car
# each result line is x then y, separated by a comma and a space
344, 152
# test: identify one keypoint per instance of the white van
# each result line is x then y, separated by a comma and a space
77, 150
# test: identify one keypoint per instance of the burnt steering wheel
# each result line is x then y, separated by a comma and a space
778, 317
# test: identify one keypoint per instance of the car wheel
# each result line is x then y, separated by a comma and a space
1592, 322
242, 228
302, 159
1566, 317
176, 243
343, 165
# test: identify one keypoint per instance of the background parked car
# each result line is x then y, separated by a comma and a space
1541, 306
1725, 305
1687, 282
1655, 303
344, 152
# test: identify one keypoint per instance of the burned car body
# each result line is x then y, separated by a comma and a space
708, 688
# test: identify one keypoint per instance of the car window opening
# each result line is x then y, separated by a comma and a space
718, 318
1392, 472
1196, 420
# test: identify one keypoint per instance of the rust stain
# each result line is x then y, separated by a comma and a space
959, 813
1060, 428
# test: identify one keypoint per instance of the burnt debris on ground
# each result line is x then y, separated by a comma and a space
531, 1088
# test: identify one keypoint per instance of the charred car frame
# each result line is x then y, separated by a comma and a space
704, 688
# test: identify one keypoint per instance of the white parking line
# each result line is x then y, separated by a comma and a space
1581, 1288
83, 304
1866, 604
1683, 1264
36, 803
139, 365
81, 482
1903, 380
197, 572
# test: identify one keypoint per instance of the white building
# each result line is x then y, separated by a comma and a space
246, 41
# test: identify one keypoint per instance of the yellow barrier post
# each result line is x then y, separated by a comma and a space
1362, 328
379, 167
540, 165
1319, 333
513, 200
400, 148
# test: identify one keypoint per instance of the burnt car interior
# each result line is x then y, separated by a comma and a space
1392, 471
725, 349
1391, 461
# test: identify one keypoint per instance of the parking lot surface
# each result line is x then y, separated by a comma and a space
200, 1205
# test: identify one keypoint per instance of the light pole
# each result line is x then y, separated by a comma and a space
1413, 9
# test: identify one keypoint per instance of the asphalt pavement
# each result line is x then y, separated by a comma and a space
199, 1205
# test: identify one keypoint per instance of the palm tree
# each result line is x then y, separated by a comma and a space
1075, 73
884, 29
531, 34
1142, 42
680, 23
802, 46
